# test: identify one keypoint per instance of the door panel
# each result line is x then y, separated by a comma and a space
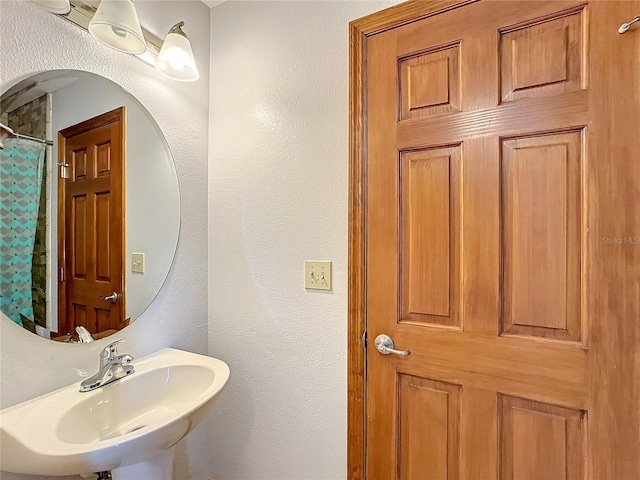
430, 83
80, 237
482, 191
79, 315
541, 222
104, 319
543, 57
103, 159
429, 428
102, 237
541, 441
78, 163
430, 182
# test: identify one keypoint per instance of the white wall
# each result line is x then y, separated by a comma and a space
31, 41
278, 194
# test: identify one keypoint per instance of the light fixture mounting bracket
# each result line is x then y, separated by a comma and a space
177, 29
81, 13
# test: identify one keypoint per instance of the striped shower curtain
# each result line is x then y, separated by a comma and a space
21, 164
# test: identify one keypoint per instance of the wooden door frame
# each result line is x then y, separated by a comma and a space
118, 114
359, 31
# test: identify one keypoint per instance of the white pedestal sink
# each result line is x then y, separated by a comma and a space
129, 427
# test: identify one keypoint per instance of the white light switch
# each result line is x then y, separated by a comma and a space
137, 262
317, 275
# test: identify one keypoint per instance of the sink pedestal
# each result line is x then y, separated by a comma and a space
157, 468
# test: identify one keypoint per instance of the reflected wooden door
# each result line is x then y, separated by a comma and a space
500, 159
91, 223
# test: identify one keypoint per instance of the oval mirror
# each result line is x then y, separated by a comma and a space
89, 206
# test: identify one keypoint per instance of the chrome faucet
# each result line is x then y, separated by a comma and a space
112, 367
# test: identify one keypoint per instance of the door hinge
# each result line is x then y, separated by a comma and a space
364, 339
64, 170
62, 274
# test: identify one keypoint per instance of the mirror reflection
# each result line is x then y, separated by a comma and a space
90, 219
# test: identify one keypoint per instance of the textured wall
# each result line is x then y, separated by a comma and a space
31, 41
278, 195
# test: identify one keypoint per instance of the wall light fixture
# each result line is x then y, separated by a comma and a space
116, 24
175, 59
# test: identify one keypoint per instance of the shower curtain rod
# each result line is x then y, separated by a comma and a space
11, 133
27, 137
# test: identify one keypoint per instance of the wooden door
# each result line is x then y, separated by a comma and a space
91, 224
502, 224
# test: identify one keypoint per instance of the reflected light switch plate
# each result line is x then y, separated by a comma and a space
137, 262
317, 275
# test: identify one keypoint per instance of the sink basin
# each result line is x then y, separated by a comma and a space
129, 427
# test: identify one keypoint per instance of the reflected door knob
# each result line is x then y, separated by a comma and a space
113, 298
384, 344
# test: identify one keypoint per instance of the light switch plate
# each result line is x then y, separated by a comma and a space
137, 262
317, 275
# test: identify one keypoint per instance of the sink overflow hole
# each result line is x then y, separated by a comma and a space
135, 428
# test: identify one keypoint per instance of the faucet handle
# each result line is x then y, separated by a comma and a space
110, 351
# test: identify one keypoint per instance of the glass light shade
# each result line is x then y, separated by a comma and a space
116, 24
54, 6
175, 59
